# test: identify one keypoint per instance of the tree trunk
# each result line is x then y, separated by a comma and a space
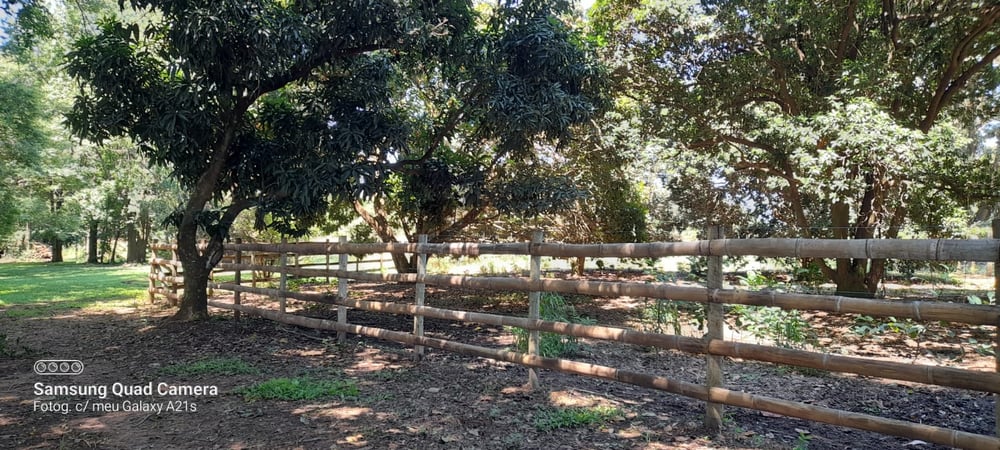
135, 252
57, 251
114, 246
92, 243
404, 264
855, 283
145, 229
26, 239
194, 302
380, 225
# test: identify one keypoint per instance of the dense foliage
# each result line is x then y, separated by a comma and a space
815, 119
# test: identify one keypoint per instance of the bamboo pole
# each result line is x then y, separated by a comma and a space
283, 280
161, 246
716, 326
419, 294
167, 279
996, 295
236, 280
165, 262
911, 430
534, 306
253, 262
919, 310
342, 292
931, 375
172, 291
979, 250
152, 272
173, 297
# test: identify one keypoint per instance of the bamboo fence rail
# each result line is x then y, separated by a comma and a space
934, 375
919, 310
165, 277
717, 395
714, 296
977, 250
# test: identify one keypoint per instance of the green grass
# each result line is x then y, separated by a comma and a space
298, 389
213, 366
45, 288
553, 419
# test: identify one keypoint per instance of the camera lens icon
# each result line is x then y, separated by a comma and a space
58, 367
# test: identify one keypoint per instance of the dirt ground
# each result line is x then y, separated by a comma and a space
445, 401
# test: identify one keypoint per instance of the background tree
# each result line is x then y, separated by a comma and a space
815, 119
74, 187
275, 105
21, 137
489, 123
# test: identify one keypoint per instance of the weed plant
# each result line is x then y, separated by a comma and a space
553, 307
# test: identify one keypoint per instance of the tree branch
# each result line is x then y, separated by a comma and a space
949, 84
850, 23
303, 68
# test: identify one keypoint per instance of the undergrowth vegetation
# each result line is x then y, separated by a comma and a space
298, 389
554, 419
553, 307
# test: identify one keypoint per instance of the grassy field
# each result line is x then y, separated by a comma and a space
33, 289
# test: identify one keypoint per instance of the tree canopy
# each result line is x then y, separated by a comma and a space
286, 107
819, 119
486, 121
22, 136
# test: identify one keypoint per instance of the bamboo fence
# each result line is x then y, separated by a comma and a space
165, 277
713, 346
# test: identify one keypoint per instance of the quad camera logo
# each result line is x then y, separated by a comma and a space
58, 367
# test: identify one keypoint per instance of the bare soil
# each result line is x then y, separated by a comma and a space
445, 401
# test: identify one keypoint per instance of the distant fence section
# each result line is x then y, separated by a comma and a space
240, 260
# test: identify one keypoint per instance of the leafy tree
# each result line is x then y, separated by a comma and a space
276, 105
122, 198
487, 122
73, 182
815, 119
21, 136
29, 22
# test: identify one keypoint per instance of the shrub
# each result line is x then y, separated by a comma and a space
553, 307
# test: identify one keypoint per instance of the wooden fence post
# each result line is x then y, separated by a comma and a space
716, 324
153, 269
534, 305
238, 259
342, 293
996, 296
283, 281
328, 262
420, 292
176, 273
253, 273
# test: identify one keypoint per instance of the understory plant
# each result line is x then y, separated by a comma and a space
786, 328
553, 307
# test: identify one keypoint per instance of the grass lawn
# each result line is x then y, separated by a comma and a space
35, 289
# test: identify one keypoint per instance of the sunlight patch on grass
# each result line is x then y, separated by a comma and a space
37, 289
